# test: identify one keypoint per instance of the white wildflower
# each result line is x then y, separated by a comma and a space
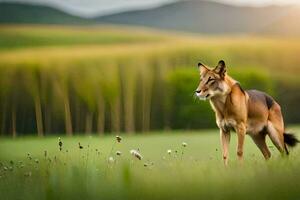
136, 154
169, 151
184, 144
111, 159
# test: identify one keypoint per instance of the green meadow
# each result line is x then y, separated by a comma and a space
88, 84
35, 168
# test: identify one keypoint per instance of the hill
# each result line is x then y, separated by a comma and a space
188, 16
36, 14
208, 17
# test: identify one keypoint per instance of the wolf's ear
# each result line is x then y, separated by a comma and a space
202, 68
221, 68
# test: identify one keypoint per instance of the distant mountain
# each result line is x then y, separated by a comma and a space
36, 14
187, 15
206, 17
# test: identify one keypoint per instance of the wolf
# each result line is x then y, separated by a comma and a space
249, 112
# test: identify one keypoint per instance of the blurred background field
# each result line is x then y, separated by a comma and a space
71, 79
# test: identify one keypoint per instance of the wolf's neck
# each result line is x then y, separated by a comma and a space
230, 81
218, 104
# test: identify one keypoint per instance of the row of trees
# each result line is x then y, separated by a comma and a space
97, 96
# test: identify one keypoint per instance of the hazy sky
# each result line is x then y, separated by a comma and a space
101, 7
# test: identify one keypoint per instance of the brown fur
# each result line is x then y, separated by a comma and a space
246, 112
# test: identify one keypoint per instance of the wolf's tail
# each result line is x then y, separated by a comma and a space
290, 139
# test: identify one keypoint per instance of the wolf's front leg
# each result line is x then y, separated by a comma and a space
241, 132
225, 140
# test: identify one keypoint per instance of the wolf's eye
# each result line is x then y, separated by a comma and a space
210, 79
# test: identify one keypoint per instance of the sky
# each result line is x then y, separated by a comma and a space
91, 8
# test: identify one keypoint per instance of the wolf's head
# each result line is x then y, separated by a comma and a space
212, 81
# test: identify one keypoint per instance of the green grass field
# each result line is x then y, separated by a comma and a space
141, 80
194, 172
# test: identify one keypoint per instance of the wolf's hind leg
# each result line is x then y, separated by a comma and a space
260, 141
276, 137
275, 127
